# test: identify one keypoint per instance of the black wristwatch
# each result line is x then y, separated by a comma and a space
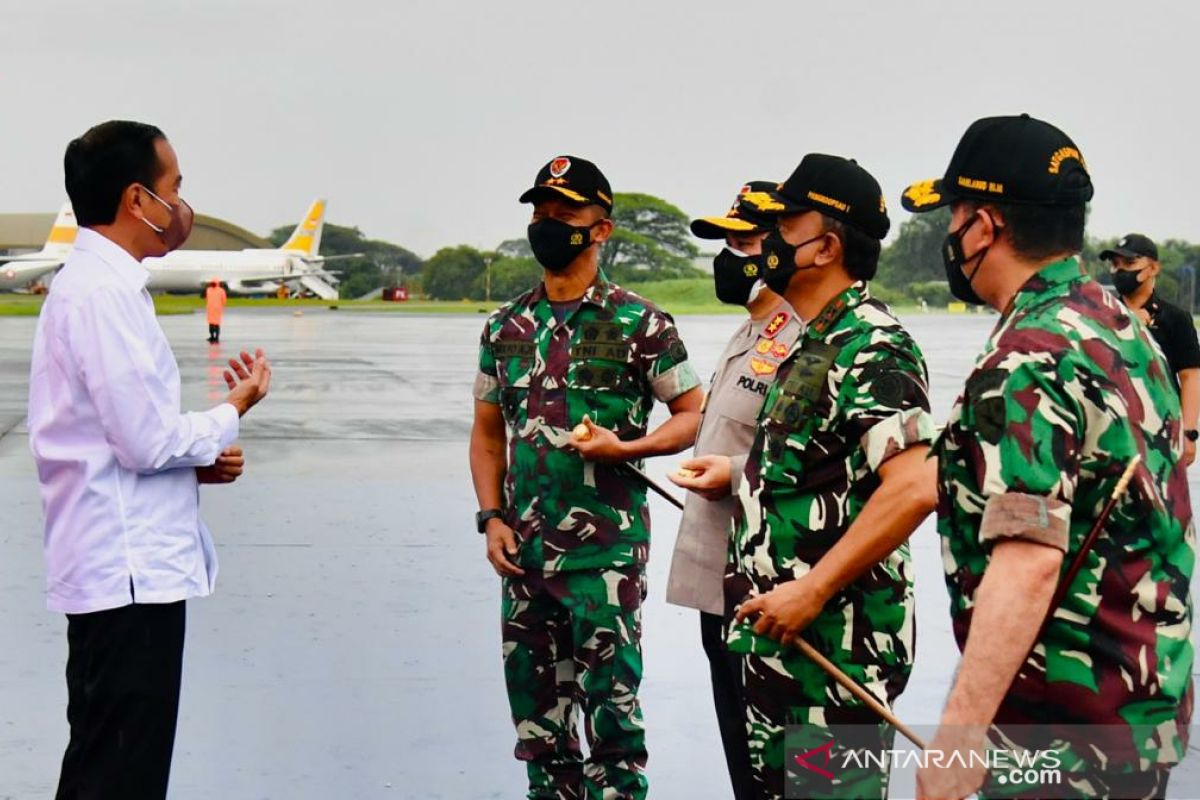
1191, 434
482, 517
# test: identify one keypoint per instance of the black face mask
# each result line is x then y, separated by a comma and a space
735, 276
955, 260
556, 244
779, 256
1126, 282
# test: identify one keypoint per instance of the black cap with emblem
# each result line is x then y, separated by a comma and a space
575, 179
742, 218
1018, 160
1131, 246
837, 187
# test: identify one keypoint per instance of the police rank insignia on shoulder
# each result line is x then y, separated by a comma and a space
776, 325
763, 347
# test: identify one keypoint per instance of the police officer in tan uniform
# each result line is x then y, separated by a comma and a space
744, 371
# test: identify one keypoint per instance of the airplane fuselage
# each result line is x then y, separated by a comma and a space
242, 271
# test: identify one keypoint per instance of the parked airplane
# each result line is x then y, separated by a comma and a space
252, 271
18, 272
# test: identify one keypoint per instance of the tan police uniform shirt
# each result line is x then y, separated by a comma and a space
745, 370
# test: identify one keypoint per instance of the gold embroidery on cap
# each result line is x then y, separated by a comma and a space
829, 201
922, 194
980, 186
1061, 155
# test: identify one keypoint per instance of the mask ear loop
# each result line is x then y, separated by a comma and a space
154, 227
982, 254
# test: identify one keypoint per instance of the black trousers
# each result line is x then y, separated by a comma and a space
214, 333
726, 669
123, 672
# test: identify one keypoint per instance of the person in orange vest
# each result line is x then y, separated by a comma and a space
214, 296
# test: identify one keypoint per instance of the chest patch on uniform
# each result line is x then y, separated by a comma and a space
601, 340
513, 348
602, 351
752, 385
761, 366
804, 382
602, 332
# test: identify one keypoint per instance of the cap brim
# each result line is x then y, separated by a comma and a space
538, 193
1108, 255
771, 204
720, 227
925, 196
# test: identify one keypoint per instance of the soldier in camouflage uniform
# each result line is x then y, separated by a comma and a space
1068, 390
835, 482
567, 529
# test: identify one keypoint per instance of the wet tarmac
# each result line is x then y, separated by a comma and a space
352, 647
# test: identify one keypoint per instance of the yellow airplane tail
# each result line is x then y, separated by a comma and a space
306, 239
62, 236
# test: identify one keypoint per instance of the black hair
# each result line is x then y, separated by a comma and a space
102, 163
860, 252
1037, 233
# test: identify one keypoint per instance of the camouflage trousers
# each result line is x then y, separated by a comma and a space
572, 644
801, 750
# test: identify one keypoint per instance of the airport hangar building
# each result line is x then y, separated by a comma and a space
26, 233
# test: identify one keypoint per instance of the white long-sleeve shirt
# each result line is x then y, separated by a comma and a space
115, 456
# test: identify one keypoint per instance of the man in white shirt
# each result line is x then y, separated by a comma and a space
119, 465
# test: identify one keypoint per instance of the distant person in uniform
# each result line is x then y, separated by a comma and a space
214, 298
745, 369
119, 466
1135, 269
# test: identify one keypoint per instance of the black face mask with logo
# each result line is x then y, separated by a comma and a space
556, 244
735, 275
779, 257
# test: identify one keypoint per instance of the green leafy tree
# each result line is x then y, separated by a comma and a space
381, 264
454, 273
511, 277
916, 254
514, 248
650, 241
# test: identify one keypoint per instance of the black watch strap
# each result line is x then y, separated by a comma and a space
482, 518
1191, 434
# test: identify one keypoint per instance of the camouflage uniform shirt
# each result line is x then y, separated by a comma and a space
609, 360
1067, 390
851, 395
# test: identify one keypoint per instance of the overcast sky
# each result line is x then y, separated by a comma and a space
423, 121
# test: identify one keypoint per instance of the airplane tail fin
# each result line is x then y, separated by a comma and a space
62, 235
306, 239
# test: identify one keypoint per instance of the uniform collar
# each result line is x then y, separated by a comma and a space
852, 297
596, 294
1049, 280
111, 253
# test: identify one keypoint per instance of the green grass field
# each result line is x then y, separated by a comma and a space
679, 297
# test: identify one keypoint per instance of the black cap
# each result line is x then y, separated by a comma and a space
743, 217
1131, 246
837, 187
1018, 160
576, 179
